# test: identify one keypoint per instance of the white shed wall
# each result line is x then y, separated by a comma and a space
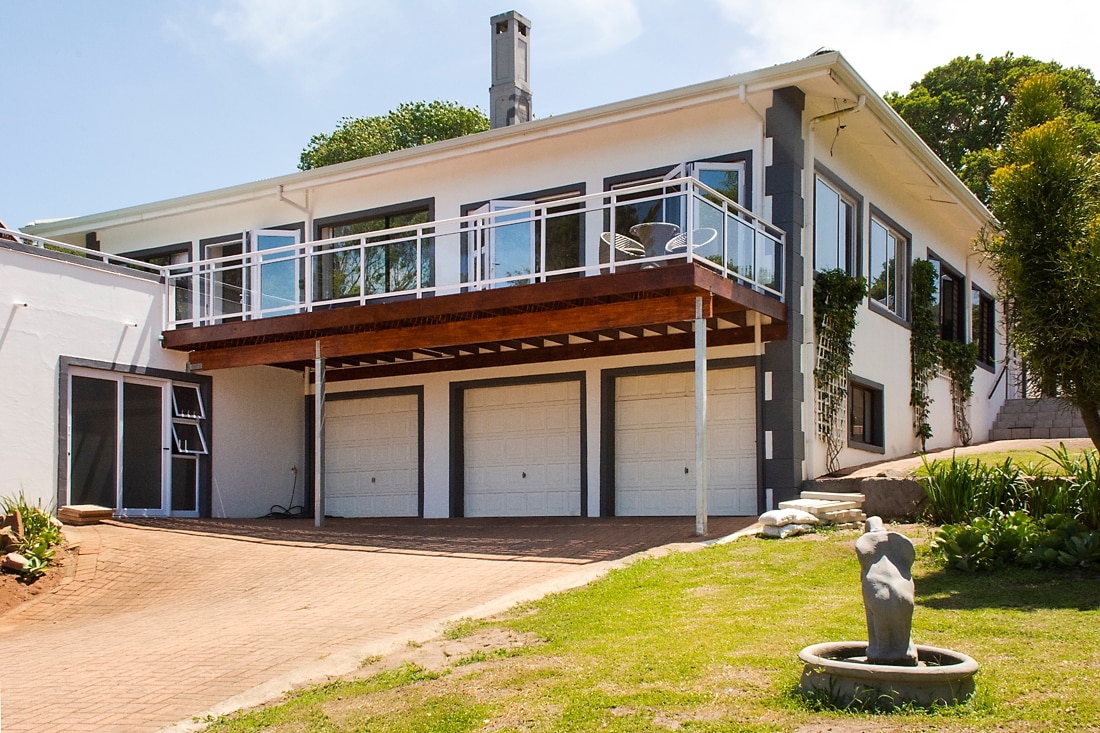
259, 436
49, 309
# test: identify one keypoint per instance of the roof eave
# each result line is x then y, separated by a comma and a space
787, 74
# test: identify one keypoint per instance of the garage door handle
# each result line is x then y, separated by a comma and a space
524, 474
685, 470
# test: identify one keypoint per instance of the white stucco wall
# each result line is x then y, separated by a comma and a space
258, 438
49, 309
881, 344
54, 308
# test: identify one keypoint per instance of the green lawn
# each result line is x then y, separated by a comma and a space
1021, 458
707, 641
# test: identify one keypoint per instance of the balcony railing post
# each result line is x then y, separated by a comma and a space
689, 194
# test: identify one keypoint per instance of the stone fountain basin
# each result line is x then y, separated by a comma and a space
839, 672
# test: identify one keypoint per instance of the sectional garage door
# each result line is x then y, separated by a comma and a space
655, 443
372, 463
522, 452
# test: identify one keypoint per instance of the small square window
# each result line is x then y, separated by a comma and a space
950, 300
188, 438
983, 325
865, 415
187, 402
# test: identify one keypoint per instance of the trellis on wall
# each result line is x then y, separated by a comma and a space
836, 297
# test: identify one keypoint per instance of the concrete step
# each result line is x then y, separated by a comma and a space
83, 514
833, 496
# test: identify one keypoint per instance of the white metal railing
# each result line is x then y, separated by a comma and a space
649, 225
575, 236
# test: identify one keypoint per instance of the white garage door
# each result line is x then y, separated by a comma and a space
371, 456
522, 450
655, 444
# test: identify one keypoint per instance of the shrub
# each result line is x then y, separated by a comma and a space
999, 539
960, 489
41, 532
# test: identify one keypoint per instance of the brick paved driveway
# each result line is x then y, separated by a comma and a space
166, 619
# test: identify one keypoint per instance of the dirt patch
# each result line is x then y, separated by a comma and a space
441, 654
14, 592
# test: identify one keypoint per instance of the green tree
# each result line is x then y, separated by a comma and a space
1046, 252
409, 125
961, 109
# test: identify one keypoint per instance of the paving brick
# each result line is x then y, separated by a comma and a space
164, 619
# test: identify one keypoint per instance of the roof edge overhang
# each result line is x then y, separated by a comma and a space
736, 86
895, 126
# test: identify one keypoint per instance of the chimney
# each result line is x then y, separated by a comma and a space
510, 95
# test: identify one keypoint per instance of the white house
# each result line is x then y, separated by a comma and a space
503, 322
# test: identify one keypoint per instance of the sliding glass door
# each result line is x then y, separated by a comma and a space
125, 449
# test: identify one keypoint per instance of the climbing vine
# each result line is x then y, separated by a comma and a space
836, 297
959, 361
924, 352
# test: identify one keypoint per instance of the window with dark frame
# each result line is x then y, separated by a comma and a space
553, 228
950, 297
836, 228
984, 325
889, 267
865, 413
389, 260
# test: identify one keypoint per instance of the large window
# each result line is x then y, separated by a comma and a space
865, 415
889, 266
836, 227
983, 323
388, 261
510, 248
661, 207
950, 296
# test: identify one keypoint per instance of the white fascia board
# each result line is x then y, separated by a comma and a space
904, 135
789, 74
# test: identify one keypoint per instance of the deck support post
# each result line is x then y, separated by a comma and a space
700, 419
319, 440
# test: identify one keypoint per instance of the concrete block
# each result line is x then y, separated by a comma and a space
1040, 432
1019, 433
833, 496
893, 498
82, 514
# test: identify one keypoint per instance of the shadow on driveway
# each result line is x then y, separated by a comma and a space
583, 540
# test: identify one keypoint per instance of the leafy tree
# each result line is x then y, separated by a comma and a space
409, 125
1047, 251
962, 109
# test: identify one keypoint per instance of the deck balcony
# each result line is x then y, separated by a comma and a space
512, 282
506, 244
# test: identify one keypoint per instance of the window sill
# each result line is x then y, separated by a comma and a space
875, 307
989, 367
869, 447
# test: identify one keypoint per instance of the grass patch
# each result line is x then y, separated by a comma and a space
708, 641
1021, 458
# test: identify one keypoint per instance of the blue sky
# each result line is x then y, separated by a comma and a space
120, 102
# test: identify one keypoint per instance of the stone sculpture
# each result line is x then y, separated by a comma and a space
886, 562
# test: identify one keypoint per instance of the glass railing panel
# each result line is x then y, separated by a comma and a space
740, 257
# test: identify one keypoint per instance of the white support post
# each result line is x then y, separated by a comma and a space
319, 440
700, 419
